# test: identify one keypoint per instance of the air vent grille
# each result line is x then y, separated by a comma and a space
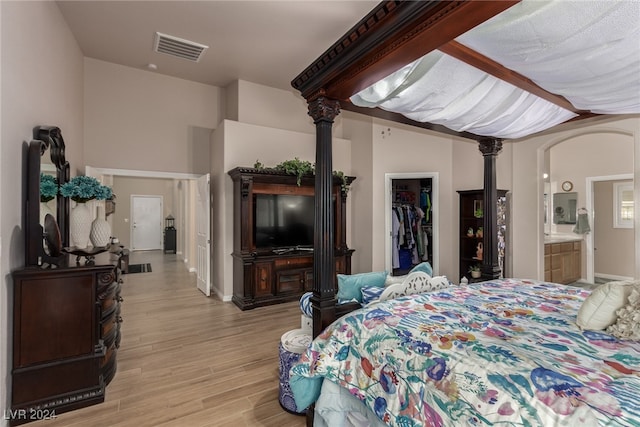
181, 48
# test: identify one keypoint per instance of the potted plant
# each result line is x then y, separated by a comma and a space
48, 191
475, 271
48, 187
81, 189
300, 168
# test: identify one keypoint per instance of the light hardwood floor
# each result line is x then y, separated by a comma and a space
188, 360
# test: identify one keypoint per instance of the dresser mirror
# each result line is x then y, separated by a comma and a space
46, 154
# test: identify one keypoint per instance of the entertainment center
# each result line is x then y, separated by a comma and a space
273, 235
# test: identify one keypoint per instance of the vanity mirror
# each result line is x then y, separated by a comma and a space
47, 144
564, 208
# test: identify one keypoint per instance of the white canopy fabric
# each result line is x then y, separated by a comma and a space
586, 51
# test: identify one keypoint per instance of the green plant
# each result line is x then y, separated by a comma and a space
474, 268
48, 187
81, 189
300, 168
296, 167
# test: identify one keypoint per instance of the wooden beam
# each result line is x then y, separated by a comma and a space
392, 35
489, 66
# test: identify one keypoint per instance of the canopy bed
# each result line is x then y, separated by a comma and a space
482, 70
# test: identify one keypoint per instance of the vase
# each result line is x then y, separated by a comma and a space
100, 229
80, 225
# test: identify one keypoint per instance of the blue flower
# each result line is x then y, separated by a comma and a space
81, 189
546, 379
342, 353
48, 187
438, 369
380, 406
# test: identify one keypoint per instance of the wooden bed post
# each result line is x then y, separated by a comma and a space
323, 111
490, 147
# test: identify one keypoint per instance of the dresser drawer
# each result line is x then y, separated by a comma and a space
293, 262
557, 248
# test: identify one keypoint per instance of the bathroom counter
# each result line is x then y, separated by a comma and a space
561, 238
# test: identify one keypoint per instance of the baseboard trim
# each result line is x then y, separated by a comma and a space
612, 276
220, 295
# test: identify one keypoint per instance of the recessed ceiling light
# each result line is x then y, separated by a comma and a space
152, 67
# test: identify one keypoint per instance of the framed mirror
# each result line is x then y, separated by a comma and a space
45, 153
564, 208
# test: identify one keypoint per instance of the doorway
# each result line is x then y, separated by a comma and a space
183, 196
146, 222
604, 234
411, 219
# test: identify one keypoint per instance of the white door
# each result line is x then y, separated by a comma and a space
146, 222
204, 235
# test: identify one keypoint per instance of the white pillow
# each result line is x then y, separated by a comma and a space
599, 309
390, 280
627, 326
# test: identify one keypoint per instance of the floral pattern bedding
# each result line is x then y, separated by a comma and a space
505, 352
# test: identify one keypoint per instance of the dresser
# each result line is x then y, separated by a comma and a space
66, 334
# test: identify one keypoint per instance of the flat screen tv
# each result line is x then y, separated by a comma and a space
283, 220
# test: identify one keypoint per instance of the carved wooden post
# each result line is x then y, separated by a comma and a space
490, 147
323, 111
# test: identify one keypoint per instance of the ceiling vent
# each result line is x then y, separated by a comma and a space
181, 48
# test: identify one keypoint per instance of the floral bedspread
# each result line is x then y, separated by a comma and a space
505, 352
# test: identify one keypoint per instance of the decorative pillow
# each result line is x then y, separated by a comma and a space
424, 267
371, 293
390, 280
305, 304
350, 285
627, 326
599, 309
439, 282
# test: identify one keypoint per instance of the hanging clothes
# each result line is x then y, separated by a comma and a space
395, 244
408, 234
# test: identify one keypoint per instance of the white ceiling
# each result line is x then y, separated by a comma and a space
265, 42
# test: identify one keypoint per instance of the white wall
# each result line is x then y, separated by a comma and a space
527, 205
359, 130
218, 212
576, 158
614, 255
266, 106
397, 148
140, 120
42, 71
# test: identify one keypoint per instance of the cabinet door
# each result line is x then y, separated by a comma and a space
290, 281
567, 267
556, 268
263, 279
